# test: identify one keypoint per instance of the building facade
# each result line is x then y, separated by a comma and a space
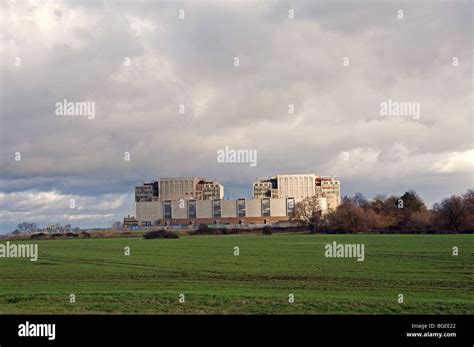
147, 192
330, 189
175, 188
189, 200
216, 211
299, 186
208, 190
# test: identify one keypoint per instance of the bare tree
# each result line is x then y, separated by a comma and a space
310, 211
449, 214
349, 216
360, 200
468, 203
26, 227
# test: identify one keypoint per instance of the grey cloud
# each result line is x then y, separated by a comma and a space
190, 62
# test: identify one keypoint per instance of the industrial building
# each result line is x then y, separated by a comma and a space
175, 188
299, 186
192, 200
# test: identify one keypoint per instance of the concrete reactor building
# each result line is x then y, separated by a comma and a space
299, 187
192, 200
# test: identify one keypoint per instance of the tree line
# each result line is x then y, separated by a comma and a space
406, 213
27, 227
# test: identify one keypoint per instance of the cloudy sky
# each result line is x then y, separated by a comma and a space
138, 61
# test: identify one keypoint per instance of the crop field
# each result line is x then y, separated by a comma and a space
259, 280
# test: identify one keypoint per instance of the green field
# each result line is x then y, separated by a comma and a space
259, 280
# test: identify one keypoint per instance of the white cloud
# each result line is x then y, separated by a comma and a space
51, 207
456, 162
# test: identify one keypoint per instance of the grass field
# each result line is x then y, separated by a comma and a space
259, 280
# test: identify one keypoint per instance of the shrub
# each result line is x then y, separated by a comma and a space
267, 230
232, 231
160, 234
203, 229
